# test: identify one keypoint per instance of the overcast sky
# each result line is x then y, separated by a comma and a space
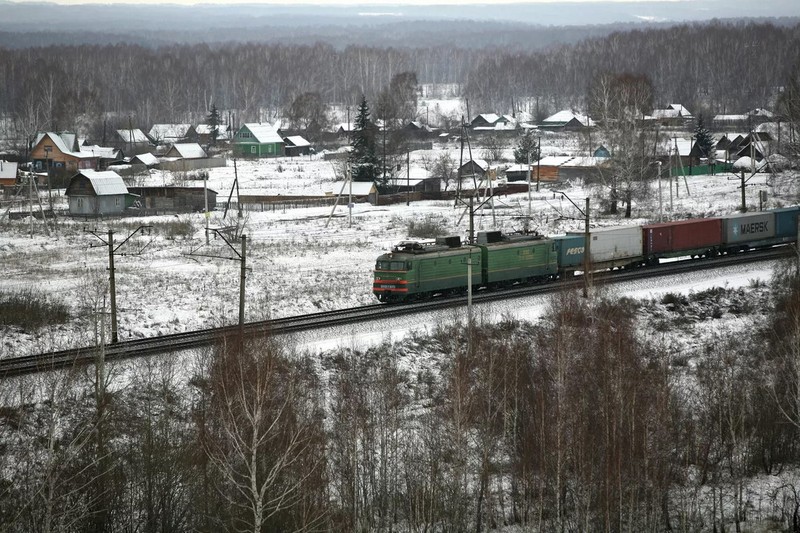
387, 3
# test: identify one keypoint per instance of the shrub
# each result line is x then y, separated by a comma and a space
29, 310
429, 227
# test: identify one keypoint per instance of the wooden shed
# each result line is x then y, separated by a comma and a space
297, 145
175, 199
94, 193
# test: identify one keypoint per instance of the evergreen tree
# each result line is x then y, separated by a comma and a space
213, 120
705, 143
365, 165
526, 147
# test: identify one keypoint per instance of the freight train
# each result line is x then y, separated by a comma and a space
416, 270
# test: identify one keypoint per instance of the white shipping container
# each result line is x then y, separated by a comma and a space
618, 245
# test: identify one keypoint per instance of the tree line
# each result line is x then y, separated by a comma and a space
718, 67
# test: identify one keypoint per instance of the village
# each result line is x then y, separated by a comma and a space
115, 178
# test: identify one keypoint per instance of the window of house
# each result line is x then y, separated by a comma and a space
252, 149
116, 202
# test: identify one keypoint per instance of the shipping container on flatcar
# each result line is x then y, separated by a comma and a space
786, 223
748, 230
699, 236
615, 246
516, 258
569, 251
414, 269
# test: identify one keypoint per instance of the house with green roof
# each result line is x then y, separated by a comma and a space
258, 140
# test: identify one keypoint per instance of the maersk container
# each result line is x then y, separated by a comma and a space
673, 238
615, 246
786, 223
570, 251
748, 227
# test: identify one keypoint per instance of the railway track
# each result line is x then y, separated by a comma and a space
14, 366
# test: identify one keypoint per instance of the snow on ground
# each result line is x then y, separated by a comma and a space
300, 260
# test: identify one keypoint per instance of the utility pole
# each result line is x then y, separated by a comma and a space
240, 256
205, 198
587, 254
744, 199
587, 249
112, 282
408, 178
529, 186
112, 287
660, 202
242, 277
538, 162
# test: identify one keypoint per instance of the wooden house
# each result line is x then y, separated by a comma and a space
258, 140
672, 115
93, 193
477, 167
60, 152
175, 199
297, 145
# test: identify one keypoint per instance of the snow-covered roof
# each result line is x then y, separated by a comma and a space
63, 141
497, 126
264, 133
403, 182
554, 160
104, 152
146, 159
169, 131
747, 163
480, 163
8, 170
105, 183
761, 112
135, 136
585, 162
189, 150
562, 117
730, 118
298, 141
344, 126
359, 188
491, 118
57, 140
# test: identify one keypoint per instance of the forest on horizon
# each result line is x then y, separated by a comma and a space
718, 67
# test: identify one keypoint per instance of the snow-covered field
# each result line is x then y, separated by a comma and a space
299, 260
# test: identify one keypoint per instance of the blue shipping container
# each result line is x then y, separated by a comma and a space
786, 223
570, 250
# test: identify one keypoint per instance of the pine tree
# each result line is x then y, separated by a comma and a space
213, 120
705, 143
364, 163
526, 147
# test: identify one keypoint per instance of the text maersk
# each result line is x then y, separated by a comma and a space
754, 227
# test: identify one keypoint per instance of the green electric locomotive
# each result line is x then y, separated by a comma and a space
415, 270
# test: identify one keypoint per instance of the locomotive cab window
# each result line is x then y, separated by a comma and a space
391, 265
